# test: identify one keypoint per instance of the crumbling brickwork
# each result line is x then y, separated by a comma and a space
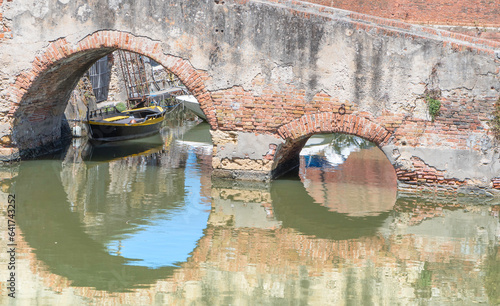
5, 31
434, 12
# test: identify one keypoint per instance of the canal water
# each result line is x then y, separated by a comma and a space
142, 222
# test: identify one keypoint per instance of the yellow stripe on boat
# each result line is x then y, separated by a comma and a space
141, 109
147, 122
116, 118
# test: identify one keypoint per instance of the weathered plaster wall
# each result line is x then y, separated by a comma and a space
260, 66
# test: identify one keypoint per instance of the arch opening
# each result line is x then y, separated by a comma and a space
37, 118
341, 162
348, 174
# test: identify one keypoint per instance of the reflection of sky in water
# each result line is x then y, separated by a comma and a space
319, 151
170, 239
328, 158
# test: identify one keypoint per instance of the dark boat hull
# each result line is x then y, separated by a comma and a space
116, 133
115, 130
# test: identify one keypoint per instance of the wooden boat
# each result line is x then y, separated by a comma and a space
113, 125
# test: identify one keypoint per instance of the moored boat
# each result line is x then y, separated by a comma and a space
191, 103
113, 125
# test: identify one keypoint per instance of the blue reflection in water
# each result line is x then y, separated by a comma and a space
169, 239
331, 150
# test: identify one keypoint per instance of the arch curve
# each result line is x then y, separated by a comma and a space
40, 94
326, 122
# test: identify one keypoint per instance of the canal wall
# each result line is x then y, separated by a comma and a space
268, 75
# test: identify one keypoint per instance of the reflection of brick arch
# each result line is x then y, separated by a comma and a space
36, 93
308, 125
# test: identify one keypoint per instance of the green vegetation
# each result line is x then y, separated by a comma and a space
108, 109
495, 122
434, 106
121, 107
423, 285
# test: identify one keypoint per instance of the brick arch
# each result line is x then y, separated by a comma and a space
40, 94
297, 132
327, 122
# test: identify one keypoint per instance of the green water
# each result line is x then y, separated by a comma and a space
142, 222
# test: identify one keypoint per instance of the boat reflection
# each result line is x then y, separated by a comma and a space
133, 232
145, 222
59, 239
129, 220
197, 136
108, 151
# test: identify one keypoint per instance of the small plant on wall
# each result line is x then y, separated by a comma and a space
434, 106
433, 93
495, 121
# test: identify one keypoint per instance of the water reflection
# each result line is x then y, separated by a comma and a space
348, 175
58, 235
108, 151
295, 208
155, 229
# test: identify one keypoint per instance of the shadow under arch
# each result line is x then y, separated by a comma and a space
58, 239
296, 209
43, 91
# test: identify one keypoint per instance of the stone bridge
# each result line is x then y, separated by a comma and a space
268, 75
